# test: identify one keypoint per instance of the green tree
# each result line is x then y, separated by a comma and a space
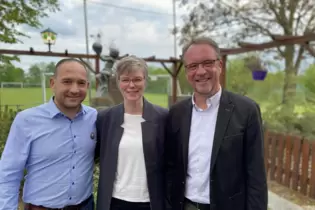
308, 83
237, 20
14, 13
10, 73
35, 72
239, 78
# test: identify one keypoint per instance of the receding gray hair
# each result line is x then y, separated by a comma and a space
129, 64
202, 40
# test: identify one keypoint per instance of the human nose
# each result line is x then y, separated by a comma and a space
200, 69
74, 88
131, 84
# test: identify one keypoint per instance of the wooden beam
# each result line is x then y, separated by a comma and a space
74, 55
310, 50
268, 45
49, 54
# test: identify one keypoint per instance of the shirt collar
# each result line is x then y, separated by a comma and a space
54, 111
211, 101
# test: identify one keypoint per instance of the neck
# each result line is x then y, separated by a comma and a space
133, 107
71, 113
201, 99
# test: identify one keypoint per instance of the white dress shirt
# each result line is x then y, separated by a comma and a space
202, 130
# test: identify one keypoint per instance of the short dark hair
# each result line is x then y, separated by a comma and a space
65, 60
202, 40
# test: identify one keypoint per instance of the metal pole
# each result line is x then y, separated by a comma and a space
87, 47
43, 86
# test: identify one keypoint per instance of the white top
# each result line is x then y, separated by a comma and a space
202, 130
131, 180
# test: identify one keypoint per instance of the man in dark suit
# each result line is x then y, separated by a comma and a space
214, 146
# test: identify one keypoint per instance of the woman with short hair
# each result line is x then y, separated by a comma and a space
130, 145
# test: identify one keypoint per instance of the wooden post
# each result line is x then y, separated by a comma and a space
223, 72
174, 82
97, 69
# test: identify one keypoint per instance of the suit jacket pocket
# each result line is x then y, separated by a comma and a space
237, 135
236, 195
232, 143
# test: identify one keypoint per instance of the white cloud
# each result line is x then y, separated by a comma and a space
137, 33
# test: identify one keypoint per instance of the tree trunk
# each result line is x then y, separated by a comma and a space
289, 88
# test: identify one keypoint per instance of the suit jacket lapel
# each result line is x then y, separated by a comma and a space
149, 129
185, 131
118, 120
224, 114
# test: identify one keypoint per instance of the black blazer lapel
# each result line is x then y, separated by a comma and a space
149, 129
118, 119
224, 114
185, 131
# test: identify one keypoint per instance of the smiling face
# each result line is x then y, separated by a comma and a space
203, 69
69, 85
132, 84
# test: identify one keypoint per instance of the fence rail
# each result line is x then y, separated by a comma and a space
290, 161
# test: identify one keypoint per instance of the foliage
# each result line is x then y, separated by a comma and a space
280, 119
9, 73
308, 80
254, 63
239, 78
236, 21
6, 117
16, 13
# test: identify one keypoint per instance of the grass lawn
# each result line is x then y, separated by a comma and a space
29, 97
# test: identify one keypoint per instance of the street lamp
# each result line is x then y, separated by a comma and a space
97, 46
49, 37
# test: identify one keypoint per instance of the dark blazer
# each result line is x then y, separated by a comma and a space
109, 132
237, 172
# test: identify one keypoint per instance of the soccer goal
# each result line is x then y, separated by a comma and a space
11, 85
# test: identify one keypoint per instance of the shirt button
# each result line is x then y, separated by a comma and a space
74, 136
75, 151
73, 167
72, 183
70, 198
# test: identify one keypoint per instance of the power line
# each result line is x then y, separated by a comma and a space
130, 8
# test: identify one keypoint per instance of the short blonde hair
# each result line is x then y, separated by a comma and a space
129, 64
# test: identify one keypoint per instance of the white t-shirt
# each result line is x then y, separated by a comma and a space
131, 180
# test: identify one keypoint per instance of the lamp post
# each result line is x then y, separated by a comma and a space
49, 37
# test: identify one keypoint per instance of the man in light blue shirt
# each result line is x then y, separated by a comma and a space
55, 143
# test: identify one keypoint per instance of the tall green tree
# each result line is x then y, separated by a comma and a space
14, 13
35, 72
10, 73
238, 20
308, 83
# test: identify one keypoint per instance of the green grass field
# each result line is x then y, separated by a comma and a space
29, 97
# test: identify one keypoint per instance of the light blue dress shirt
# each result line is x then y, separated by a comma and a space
57, 152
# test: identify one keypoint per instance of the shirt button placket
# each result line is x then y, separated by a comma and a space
72, 173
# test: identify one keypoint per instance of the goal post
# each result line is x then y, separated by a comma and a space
43, 78
3, 84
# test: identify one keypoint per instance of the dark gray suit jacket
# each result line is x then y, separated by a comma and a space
109, 133
237, 172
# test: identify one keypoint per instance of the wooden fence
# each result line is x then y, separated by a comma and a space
290, 161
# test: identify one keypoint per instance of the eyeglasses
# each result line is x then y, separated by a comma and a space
204, 64
135, 81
